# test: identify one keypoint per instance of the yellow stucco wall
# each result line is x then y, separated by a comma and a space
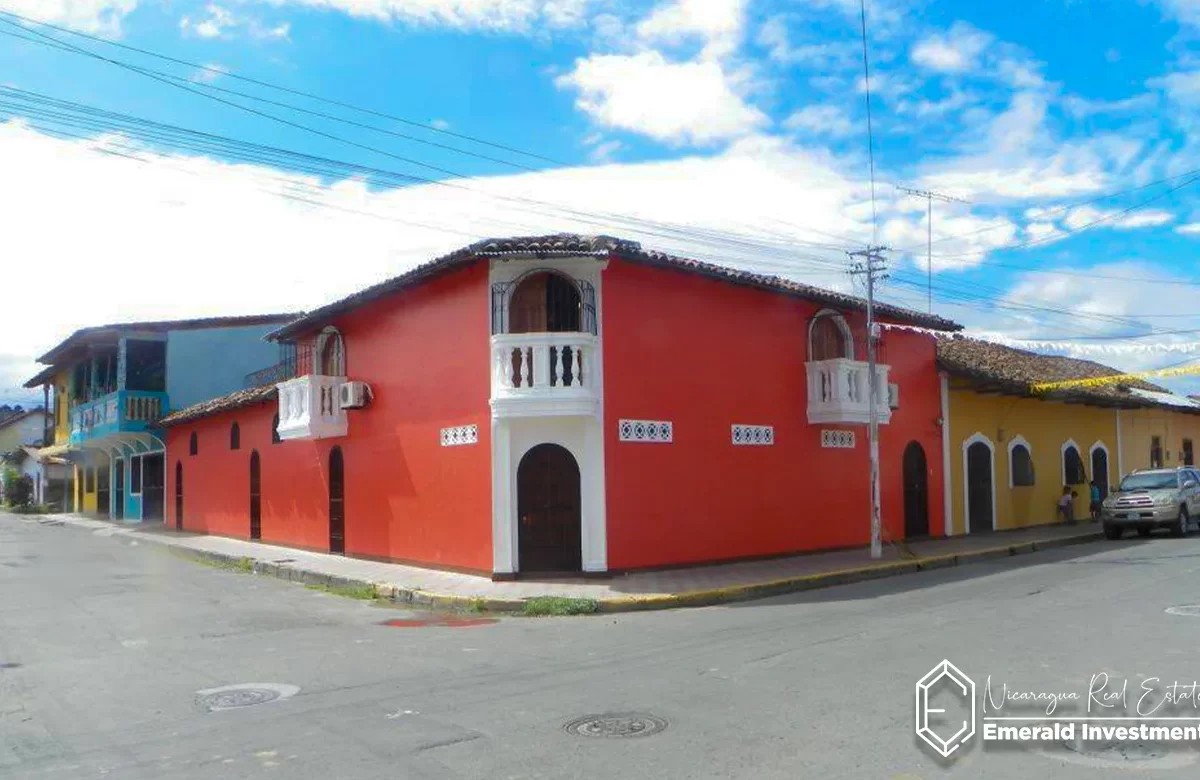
1138, 426
62, 403
1045, 426
85, 500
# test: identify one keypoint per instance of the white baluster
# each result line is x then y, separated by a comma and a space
539, 356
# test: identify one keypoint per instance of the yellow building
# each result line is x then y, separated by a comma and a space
1010, 452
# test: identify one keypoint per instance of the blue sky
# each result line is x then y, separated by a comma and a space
732, 130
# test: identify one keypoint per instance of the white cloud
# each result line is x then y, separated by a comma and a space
1043, 232
674, 102
217, 222
717, 22
827, 120
97, 16
209, 73
1083, 216
963, 240
495, 15
956, 51
827, 55
1190, 229
217, 21
1142, 219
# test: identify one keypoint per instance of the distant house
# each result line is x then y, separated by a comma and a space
21, 427
50, 475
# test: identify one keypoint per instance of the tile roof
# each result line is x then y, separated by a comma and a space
1013, 370
224, 403
570, 244
13, 419
96, 332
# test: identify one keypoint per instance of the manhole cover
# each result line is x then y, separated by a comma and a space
1191, 610
233, 697
616, 724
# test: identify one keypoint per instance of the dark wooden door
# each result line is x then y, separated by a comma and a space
337, 502
255, 497
916, 492
118, 489
548, 509
103, 495
979, 488
178, 495
1100, 471
154, 473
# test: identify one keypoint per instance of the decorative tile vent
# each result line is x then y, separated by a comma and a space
838, 439
646, 431
460, 435
753, 435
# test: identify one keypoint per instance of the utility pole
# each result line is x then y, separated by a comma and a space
871, 264
929, 197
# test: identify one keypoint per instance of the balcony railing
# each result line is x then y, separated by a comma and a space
125, 411
309, 408
540, 374
839, 392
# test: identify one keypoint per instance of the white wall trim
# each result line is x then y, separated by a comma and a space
1012, 443
843, 326
1062, 459
947, 477
966, 445
1100, 445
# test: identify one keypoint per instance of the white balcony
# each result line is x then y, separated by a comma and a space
309, 408
839, 392
544, 374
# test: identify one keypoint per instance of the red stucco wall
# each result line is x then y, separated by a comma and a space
425, 354
704, 355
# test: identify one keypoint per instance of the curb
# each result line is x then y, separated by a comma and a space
697, 598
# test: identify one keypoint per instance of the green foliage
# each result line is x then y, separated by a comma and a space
361, 592
540, 606
18, 487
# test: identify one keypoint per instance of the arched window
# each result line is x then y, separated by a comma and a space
193, 444
1073, 471
275, 429
1020, 464
829, 337
331, 353
545, 302
235, 437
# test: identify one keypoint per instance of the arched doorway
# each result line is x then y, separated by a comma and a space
545, 302
916, 492
548, 509
337, 502
1100, 470
255, 496
979, 488
178, 495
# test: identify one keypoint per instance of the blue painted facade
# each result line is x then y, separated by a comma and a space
203, 364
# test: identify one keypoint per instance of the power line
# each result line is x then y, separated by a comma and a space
269, 85
862, 4
929, 196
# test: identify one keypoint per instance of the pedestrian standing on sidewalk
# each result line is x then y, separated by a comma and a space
1095, 502
1066, 506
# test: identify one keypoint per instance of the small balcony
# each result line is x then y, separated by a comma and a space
309, 408
839, 392
544, 374
124, 411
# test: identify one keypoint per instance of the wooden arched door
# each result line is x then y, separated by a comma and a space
548, 511
255, 496
979, 488
916, 492
179, 495
337, 502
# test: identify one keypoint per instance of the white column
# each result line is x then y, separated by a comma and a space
504, 526
594, 513
947, 480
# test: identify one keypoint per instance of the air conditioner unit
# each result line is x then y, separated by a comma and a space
353, 395
893, 395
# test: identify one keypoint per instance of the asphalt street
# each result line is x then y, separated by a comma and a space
113, 657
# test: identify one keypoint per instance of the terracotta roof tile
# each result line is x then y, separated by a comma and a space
224, 403
571, 244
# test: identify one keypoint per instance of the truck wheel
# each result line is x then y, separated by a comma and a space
1112, 531
1182, 524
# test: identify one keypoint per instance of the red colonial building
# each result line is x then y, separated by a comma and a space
569, 403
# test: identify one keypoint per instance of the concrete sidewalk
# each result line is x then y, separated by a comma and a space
693, 586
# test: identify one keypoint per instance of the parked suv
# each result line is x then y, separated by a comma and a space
1154, 498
